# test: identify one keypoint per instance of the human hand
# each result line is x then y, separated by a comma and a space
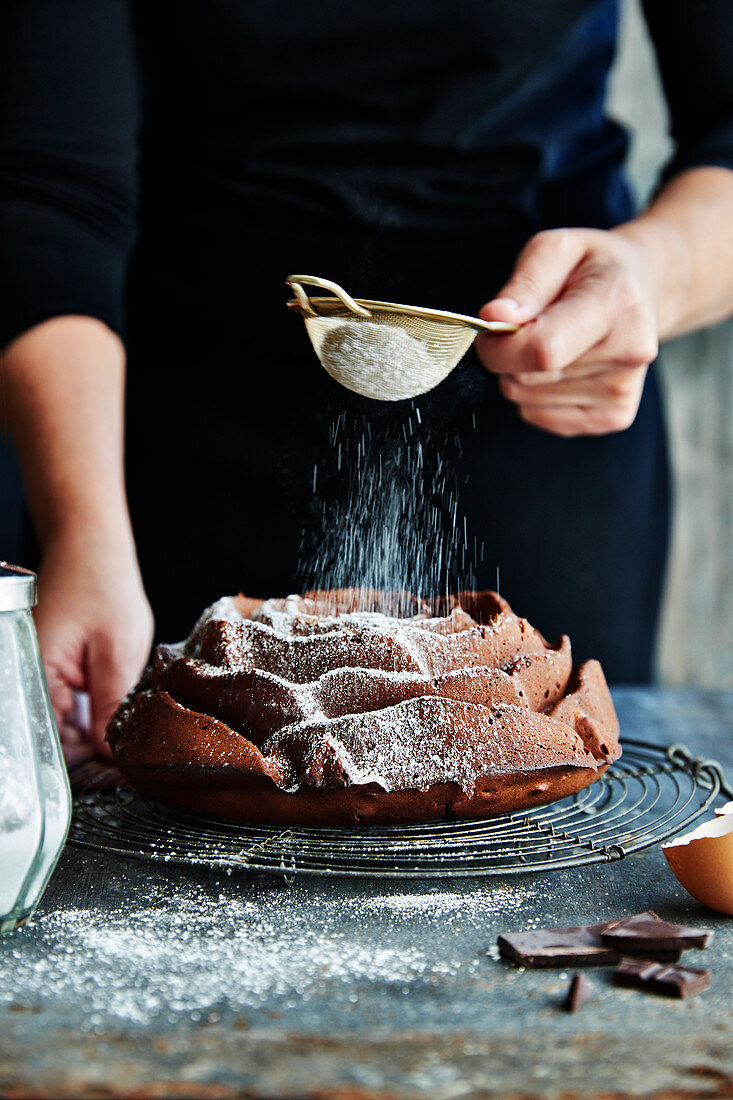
587, 303
95, 629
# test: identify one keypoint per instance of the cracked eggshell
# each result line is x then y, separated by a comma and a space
702, 861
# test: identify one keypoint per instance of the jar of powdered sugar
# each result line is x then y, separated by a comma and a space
35, 802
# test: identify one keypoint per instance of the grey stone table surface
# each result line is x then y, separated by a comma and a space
147, 980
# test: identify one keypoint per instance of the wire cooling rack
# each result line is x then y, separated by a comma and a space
643, 799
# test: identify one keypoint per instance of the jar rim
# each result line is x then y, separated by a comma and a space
17, 587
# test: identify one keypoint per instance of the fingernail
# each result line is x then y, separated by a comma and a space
507, 303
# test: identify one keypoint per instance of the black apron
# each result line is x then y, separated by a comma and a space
230, 411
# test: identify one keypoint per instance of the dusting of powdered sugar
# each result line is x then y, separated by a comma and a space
290, 620
352, 698
157, 956
303, 647
223, 610
412, 745
289, 616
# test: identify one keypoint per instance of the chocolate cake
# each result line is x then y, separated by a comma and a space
343, 707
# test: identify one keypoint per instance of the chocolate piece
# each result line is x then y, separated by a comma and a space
581, 990
576, 946
674, 981
645, 932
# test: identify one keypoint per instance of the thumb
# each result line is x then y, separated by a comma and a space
542, 269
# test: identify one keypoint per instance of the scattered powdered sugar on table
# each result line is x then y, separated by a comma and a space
198, 950
448, 907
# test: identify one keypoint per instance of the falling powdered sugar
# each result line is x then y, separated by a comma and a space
386, 515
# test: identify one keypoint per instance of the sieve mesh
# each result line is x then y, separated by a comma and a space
411, 357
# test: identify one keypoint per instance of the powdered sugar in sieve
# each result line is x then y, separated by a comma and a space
380, 361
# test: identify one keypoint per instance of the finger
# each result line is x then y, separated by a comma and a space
111, 674
609, 387
61, 694
81, 715
75, 745
588, 366
572, 327
77, 753
62, 669
600, 359
541, 271
576, 420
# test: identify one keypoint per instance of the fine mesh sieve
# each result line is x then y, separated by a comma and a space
384, 350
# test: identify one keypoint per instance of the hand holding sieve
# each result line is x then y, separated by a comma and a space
384, 350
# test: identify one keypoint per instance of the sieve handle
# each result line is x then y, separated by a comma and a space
296, 281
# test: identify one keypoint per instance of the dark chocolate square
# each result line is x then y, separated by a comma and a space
580, 945
575, 946
581, 990
673, 981
645, 932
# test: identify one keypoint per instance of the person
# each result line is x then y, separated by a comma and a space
165, 167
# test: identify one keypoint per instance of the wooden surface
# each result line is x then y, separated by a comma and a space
143, 980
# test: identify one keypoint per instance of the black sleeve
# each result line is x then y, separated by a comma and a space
694, 46
68, 123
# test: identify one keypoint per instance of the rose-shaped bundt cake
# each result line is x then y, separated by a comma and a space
333, 708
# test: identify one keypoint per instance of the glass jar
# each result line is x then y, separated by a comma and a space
35, 802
